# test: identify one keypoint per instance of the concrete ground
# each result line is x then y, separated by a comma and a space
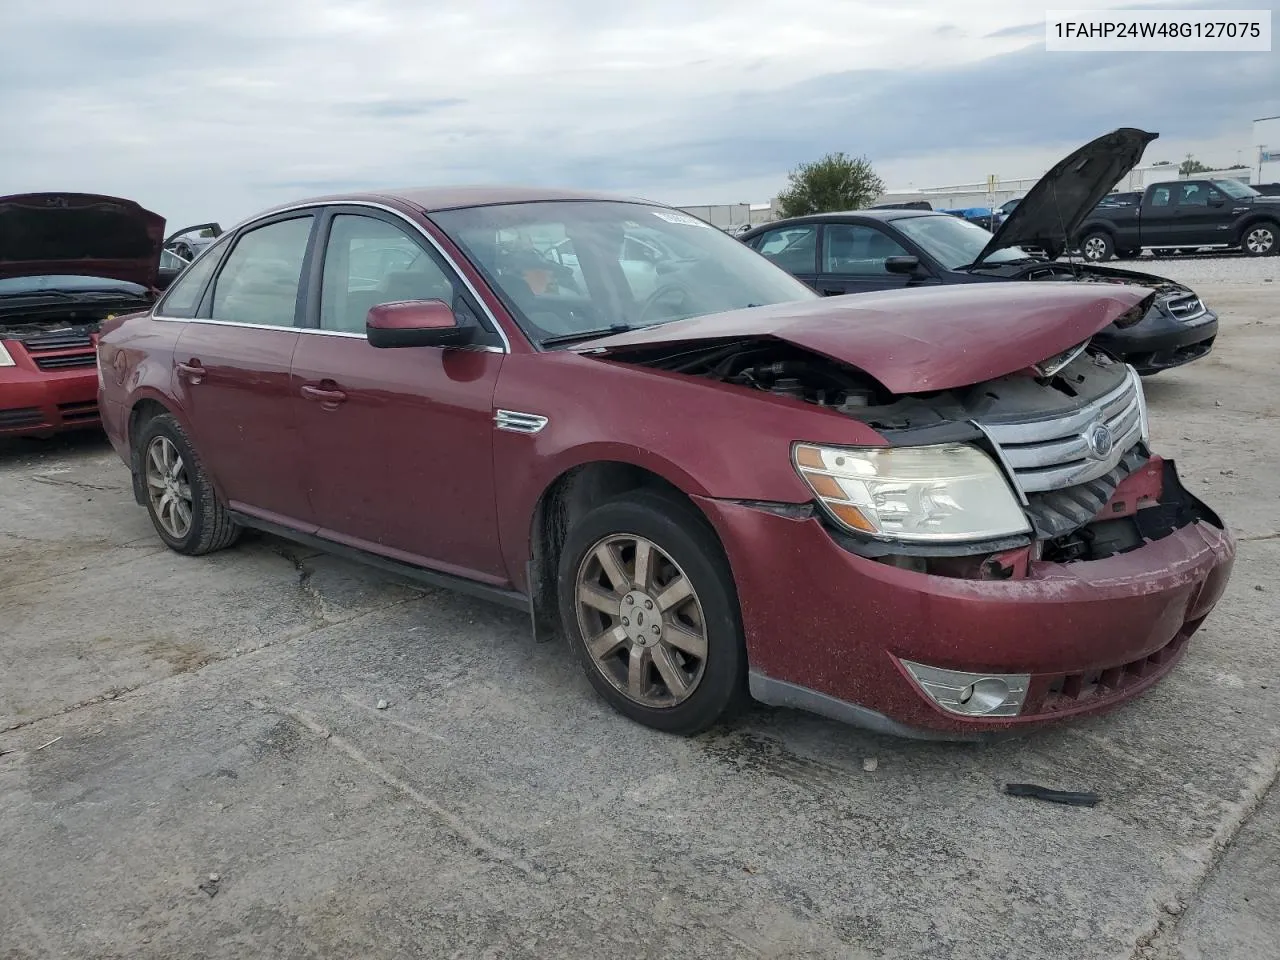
169, 719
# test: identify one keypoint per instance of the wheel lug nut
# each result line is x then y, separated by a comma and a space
656, 628
630, 599
626, 622
648, 604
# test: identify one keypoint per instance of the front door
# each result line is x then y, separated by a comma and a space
1200, 209
853, 260
232, 370
1159, 217
397, 443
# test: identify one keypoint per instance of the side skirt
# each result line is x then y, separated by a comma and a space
431, 578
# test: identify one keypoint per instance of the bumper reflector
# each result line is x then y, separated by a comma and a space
971, 694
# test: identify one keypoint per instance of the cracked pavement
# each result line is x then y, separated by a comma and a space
166, 719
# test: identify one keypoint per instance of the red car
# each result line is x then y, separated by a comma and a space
67, 261
930, 512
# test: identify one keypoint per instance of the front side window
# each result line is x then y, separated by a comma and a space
369, 261
259, 283
185, 293
1194, 195
570, 269
857, 250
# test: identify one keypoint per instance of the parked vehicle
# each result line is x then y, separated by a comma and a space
868, 250
932, 512
189, 242
1183, 215
1267, 189
67, 261
1003, 211
903, 205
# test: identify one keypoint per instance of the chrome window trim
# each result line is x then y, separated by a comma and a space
398, 214
311, 331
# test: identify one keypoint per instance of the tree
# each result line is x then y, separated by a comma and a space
836, 182
1190, 166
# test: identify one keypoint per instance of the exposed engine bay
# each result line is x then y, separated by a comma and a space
79, 323
1137, 500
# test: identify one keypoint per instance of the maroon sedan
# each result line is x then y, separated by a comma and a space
930, 512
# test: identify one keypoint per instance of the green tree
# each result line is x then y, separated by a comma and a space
1190, 166
836, 182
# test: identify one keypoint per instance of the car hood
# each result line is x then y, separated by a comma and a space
915, 341
81, 234
1055, 207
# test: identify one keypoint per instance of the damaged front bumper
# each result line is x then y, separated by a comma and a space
842, 634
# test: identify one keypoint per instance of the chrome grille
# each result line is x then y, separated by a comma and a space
1185, 308
1045, 455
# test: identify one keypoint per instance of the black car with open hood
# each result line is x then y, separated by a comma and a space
871, 250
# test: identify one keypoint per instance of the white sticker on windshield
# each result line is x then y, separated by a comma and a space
671, 216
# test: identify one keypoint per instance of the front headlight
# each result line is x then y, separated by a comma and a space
5, 359
947, 492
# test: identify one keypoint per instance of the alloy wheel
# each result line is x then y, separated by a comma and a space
641, 620
1260, 240
168, 487
1094, 248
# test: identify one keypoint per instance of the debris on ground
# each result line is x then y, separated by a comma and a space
210, 886
382, 704
1070, 798
49, 744
869, 764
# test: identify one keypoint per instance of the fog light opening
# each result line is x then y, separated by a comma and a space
971, 694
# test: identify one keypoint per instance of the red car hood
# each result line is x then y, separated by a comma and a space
79, 233
914, 341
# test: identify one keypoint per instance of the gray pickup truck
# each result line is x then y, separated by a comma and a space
1183, 215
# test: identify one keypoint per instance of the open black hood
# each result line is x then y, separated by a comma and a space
79, 233
1061, 199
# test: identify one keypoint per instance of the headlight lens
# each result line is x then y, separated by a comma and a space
947, 492
5, 359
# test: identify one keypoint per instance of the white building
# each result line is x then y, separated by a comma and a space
1266, 138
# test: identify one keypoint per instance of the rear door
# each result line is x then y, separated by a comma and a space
396, 444
1159, 222
232, 368
853, 260
1201, 215
794, 248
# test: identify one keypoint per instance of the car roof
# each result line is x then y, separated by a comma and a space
883, 215
431, 199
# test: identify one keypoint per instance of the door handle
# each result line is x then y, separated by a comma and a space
193, 370
327, 397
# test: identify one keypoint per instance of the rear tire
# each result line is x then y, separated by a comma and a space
1260, 239
180, 498
1097, 247
659, 638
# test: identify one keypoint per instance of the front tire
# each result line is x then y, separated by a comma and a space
180, 499
649, 606
1260, 239
1097, 247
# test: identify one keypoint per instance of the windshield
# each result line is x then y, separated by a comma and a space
71, 283
953, 242
570, 268
1235, 189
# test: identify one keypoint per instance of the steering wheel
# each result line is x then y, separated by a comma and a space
654, 298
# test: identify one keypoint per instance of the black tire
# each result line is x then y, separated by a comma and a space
1261, 239
1097, 247
211, 527
684, 535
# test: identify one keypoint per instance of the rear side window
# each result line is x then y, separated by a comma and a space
794, 249
259, 283
1160, 197
183, 298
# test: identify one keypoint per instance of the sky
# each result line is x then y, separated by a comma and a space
214, 109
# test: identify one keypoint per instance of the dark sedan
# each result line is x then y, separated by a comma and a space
839, 253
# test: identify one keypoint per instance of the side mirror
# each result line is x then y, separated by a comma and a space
904, 265
416, 323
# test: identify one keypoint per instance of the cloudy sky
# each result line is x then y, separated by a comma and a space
213, 109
